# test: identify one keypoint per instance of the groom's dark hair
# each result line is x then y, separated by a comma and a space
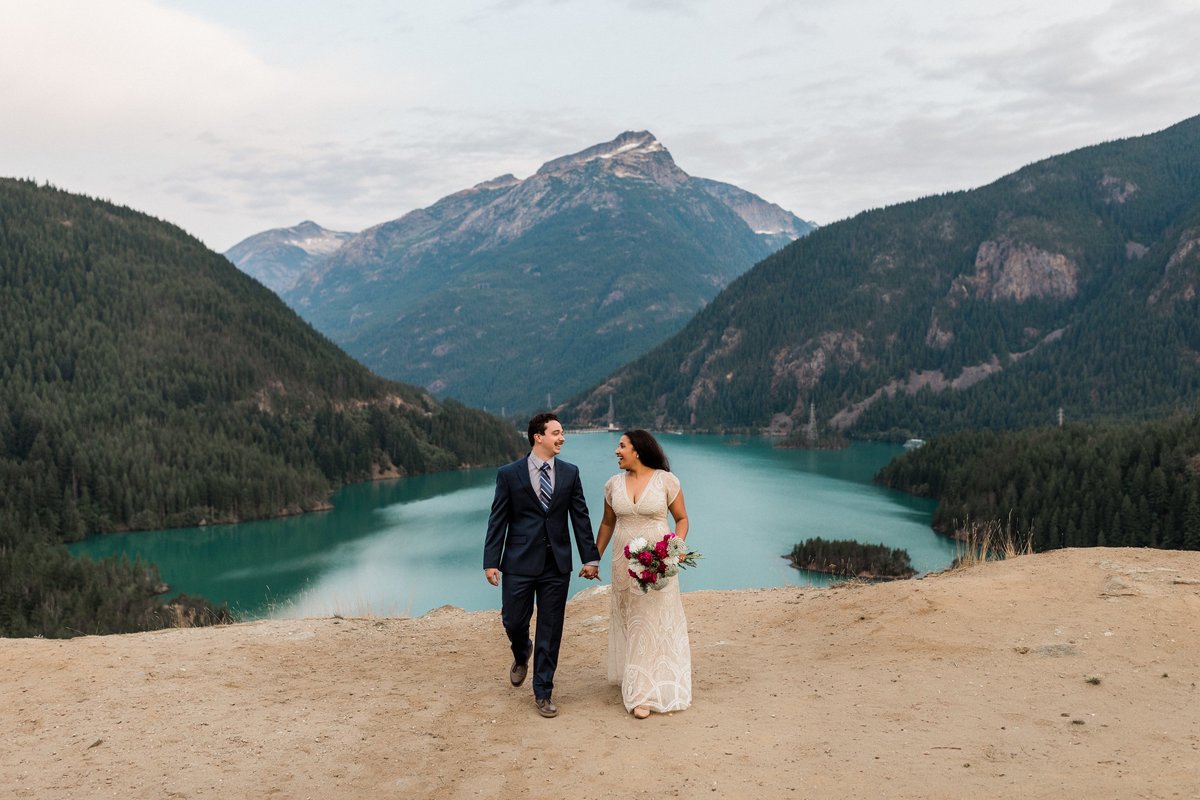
537, 425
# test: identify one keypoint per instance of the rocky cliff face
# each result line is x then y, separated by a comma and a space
775, 224
512, 290
1017, 271
1181, 276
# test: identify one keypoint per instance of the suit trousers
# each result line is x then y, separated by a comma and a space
518, 595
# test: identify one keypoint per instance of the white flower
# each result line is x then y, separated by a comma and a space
638, 544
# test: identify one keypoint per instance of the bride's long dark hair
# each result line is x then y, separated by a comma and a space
648, 449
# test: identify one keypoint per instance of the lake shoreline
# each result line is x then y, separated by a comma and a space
410, 544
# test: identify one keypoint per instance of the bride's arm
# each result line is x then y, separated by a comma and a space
679, 512
607, 524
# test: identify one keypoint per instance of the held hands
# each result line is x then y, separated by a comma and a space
588, 572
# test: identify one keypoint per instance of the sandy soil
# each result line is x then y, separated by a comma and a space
1070, 674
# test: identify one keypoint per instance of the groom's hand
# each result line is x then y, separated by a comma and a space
493, 576
590, 571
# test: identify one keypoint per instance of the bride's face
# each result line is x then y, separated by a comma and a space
627, 457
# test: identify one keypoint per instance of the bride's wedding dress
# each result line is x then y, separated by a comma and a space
648, 650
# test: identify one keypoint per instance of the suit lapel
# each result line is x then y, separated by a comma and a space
562, 476
524, 478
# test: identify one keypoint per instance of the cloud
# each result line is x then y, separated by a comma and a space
162, 110
966, 98
379, 176
94, 67
228, 118
1101, 58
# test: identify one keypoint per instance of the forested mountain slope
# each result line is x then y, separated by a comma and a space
146, 382
1071, 283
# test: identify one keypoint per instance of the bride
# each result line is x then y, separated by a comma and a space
648, 650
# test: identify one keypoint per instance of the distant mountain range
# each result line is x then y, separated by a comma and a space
515, 291
277, 258
1071, 284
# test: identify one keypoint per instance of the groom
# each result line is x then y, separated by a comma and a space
527, 540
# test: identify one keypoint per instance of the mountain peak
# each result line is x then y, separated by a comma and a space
502, 182
629, 149
278, 257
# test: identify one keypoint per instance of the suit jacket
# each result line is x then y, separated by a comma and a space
518, 528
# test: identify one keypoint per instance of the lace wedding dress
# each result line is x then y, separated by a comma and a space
648, 650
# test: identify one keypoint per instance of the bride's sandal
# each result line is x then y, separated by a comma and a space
640, 712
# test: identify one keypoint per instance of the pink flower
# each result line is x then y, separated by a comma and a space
650, 577
632, 574
627, 551
646, 557
661, 549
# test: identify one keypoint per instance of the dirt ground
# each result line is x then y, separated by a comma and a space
1062, 675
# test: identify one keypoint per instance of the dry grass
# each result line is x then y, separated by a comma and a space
186, 612
989, 541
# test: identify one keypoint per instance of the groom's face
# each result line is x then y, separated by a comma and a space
549, 444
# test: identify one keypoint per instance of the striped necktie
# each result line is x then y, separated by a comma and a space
544, 487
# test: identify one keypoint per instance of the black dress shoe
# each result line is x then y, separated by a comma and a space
518, 671
545, 706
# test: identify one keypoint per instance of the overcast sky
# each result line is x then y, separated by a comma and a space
229, 117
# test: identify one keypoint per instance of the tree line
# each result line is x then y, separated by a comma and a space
1120, 484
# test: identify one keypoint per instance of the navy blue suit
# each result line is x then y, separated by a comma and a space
532, 548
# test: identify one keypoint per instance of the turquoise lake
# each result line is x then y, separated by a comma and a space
403, 547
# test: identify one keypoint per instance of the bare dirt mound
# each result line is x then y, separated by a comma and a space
1067, 674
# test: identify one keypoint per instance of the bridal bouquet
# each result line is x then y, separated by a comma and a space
652, 564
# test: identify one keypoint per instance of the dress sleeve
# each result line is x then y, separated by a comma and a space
671, 483
608, 489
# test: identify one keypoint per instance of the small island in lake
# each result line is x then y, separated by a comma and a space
852, 559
